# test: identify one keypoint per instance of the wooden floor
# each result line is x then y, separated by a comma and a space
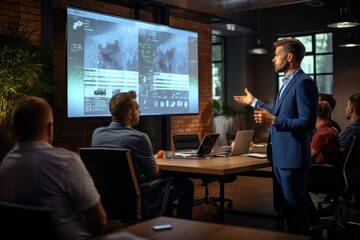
252, 206
252, 203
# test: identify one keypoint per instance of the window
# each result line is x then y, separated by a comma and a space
318, 60
218, 64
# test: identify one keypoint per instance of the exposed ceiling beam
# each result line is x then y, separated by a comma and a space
219, 7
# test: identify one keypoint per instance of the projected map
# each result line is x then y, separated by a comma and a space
164, 75
108, 54
114, 48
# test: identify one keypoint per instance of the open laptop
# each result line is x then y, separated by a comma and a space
240, 145
204, 149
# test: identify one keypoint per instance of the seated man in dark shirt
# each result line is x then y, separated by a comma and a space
352, 113
125, 114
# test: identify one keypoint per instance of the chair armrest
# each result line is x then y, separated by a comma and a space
155, 182
158, 181
325, 165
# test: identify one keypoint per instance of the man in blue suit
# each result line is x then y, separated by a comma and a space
292, 120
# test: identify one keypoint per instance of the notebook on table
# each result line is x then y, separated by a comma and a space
204, 149
241, 144
257, 155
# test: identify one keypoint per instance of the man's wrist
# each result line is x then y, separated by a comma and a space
253, 103
273, 121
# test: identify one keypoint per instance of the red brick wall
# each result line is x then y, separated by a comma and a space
24, 12
75, 133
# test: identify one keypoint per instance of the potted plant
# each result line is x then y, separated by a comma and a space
228, 120
25, 69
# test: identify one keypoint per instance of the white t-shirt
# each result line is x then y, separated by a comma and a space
37, 174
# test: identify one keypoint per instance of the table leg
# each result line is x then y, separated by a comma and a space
222, 197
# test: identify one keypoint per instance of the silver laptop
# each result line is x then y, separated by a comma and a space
204, 149
240, 145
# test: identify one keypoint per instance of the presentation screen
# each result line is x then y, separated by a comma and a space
107, 54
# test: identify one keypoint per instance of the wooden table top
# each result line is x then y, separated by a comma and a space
215, 166
190, 230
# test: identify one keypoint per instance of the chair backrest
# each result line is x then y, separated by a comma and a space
345, 161
25, 222
186, 141
114, 176
332, 179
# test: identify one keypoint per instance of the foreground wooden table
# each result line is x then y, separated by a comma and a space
194, 230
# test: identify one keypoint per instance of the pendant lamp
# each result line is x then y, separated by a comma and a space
344, 20
350, 42
259, 48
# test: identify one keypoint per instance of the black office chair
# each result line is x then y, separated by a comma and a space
116, 180
25, 222
230, 137
191, 141
336, 189
186, 141
350, 222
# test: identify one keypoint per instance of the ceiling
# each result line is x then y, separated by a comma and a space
219, 13
225, 7
215, 10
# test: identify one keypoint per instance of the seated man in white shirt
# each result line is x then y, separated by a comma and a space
35, 173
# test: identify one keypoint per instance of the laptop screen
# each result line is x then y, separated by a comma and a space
207, 144
242, 142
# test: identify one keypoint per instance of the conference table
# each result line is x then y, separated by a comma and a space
190, 230
213, 167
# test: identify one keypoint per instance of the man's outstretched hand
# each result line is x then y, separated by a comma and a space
245, 99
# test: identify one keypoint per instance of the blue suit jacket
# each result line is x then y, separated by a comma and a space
296, 113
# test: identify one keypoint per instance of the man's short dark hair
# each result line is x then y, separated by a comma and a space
355, 102
294, 46
29, 118
120, 104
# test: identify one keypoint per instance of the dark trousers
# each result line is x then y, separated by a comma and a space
182, 189
294, 194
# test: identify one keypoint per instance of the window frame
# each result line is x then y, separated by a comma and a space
314, 54
221, 62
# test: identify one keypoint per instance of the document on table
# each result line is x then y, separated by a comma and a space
256, 155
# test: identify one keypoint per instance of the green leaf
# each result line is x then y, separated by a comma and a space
25, 69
